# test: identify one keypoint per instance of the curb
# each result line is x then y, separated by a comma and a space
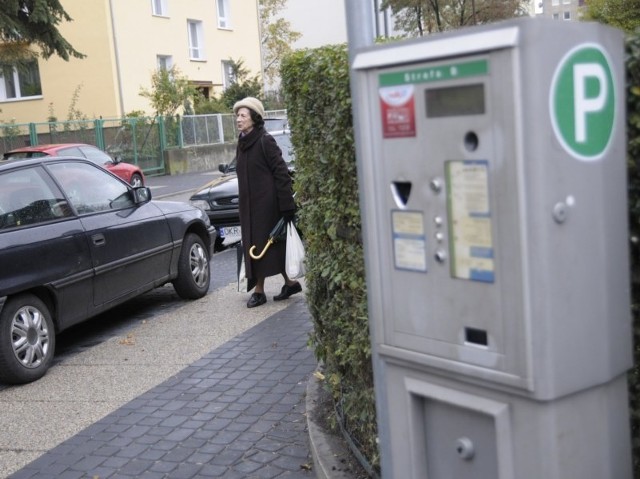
329, 451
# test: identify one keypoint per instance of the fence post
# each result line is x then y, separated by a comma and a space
220, 128
162, 131
33, 134
98, 126
179, 132
134, 140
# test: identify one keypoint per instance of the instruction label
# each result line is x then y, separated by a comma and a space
409, 241
471, 241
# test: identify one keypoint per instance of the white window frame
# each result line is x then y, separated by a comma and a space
227, 79
224, 14
566, 16
195, 31
159, 8
15, 77
555, 3
164, 62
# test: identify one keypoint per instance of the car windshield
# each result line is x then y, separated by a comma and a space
91, 189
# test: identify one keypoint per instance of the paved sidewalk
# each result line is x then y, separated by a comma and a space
238, 412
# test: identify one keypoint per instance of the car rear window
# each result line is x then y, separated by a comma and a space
23, 154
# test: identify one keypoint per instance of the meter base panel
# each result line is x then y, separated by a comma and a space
443, 429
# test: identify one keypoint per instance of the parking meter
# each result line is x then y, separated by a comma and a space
493, 185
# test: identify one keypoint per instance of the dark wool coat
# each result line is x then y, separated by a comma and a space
265, 191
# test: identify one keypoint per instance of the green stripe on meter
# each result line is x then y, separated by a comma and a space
582, 102
447, 71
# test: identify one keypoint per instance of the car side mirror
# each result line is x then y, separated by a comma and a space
223, 167
141, 194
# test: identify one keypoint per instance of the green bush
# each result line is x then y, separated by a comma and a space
633, 156
316, 90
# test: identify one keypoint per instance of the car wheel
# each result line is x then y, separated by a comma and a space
27, 340
136, 180
193, 269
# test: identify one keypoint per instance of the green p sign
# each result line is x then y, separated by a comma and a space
582, 102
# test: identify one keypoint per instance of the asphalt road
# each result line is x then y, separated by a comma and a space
111, 359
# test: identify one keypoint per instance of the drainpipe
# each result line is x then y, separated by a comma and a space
117, 57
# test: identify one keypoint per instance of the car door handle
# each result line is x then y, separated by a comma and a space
99, 239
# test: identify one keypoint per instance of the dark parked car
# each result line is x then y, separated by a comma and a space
132, 174
76, 240
219, 198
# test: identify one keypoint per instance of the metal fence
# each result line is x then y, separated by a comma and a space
217, 128
137, 140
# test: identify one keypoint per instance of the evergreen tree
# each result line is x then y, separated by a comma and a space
242, 84
32, 22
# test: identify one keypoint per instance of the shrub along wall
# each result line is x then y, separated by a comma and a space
633, 159
316, 89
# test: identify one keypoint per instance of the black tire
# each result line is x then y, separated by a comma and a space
136, 180
27, 340
193, 269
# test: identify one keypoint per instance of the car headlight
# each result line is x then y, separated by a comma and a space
202, 204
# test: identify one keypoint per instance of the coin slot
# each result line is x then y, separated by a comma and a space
401, 192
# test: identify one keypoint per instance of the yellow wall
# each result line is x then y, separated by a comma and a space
111, 76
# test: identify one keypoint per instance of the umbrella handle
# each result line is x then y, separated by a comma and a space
266, 247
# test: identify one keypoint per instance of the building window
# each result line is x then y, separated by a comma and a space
555, 2
159, 8
228, 75
566, 2
566, 15
165, 62
224, 17
556, 16
20, 83
196, 41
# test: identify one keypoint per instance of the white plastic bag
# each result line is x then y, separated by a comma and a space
244, 284
295, 253
242, 277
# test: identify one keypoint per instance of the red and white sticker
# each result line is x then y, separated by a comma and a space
397, 105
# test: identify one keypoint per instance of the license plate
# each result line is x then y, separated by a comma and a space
230, 231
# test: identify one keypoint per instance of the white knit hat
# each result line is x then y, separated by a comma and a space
251, 103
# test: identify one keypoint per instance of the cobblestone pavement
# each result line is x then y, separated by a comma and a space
238, 412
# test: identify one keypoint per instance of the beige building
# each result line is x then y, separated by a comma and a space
560, 9
125, 42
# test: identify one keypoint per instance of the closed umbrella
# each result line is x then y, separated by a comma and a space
279, 232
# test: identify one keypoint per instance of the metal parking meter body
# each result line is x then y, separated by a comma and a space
493, 179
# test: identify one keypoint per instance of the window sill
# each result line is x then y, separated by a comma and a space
22, 98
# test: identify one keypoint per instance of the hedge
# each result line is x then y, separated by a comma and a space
316, 91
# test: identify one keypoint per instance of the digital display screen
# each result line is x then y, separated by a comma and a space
455, 101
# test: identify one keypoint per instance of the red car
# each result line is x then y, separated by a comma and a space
128, 172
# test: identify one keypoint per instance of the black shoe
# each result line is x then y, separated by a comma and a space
256, 299
287, 291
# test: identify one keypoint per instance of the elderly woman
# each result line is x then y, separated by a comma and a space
266, 195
